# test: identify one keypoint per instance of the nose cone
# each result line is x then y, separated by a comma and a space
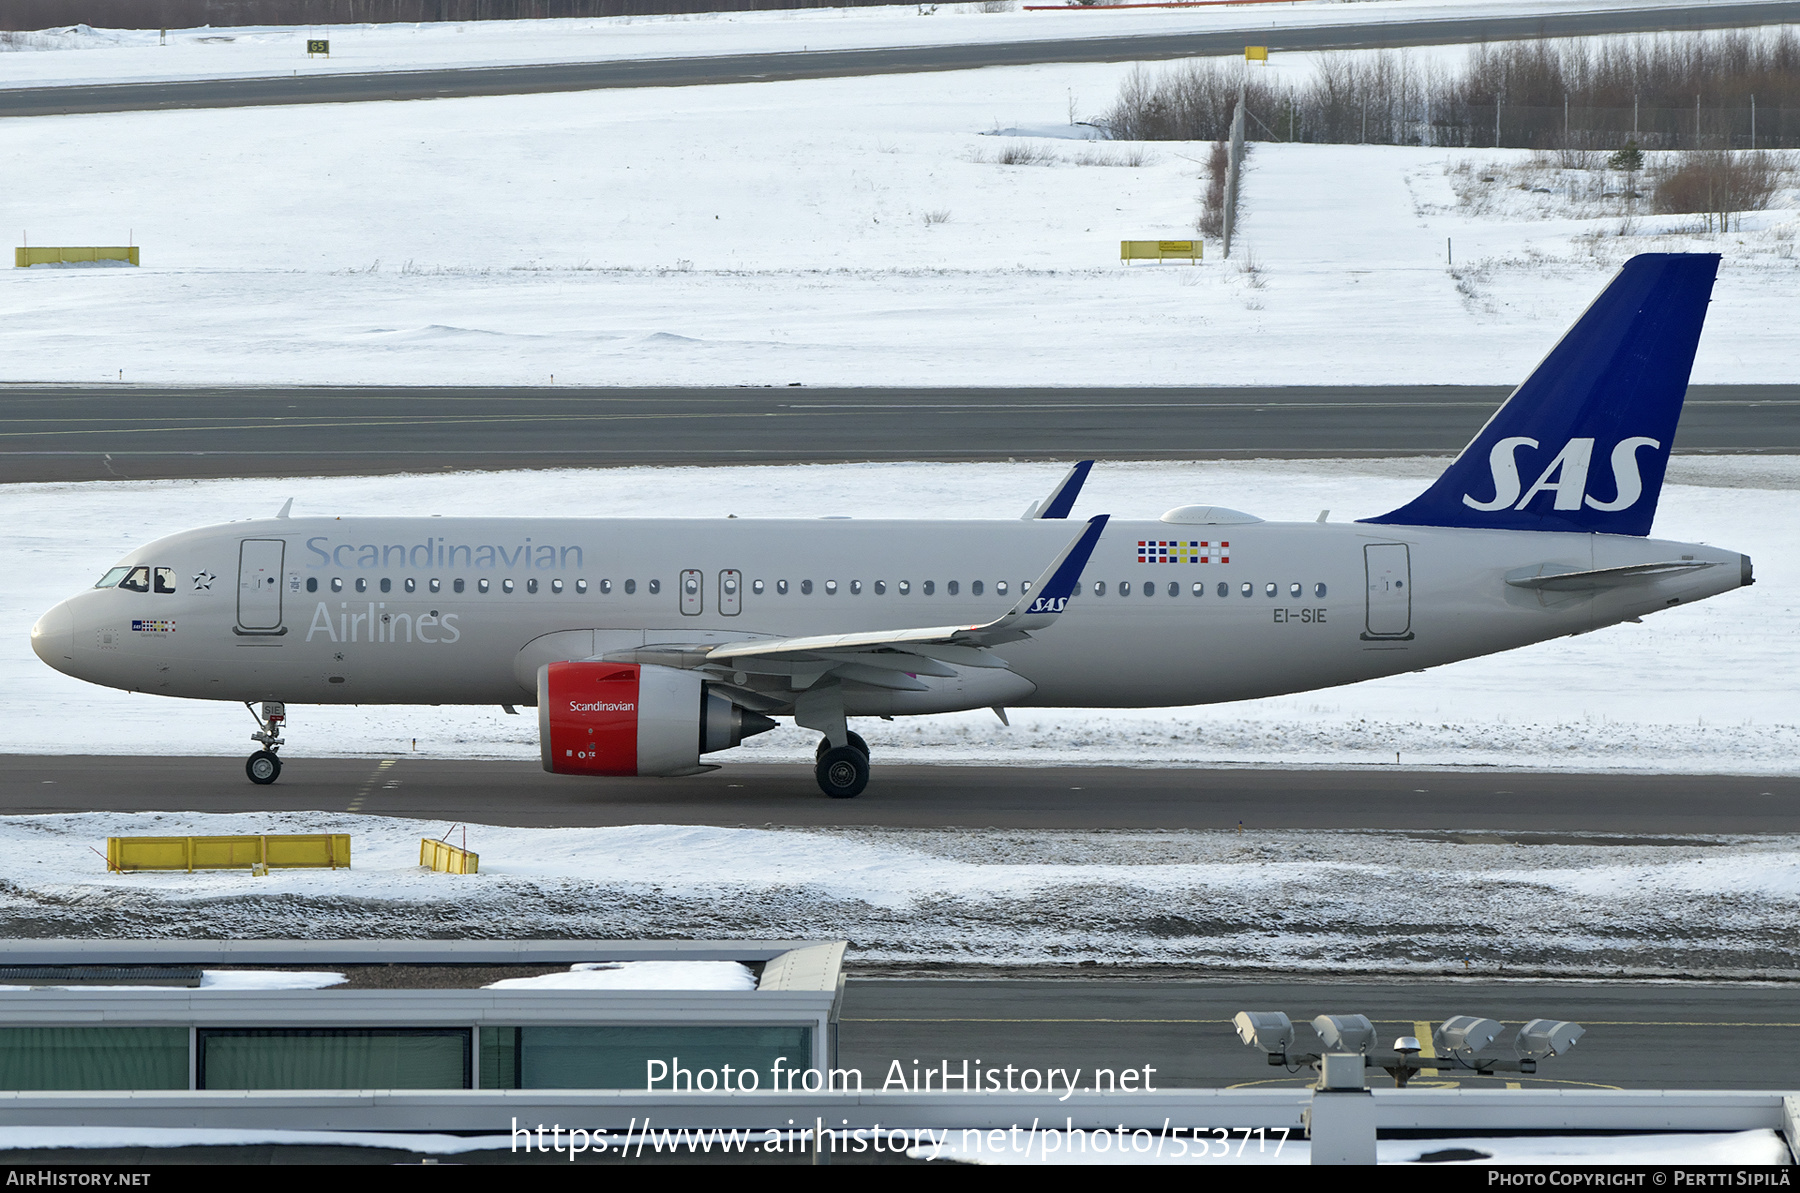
53, 637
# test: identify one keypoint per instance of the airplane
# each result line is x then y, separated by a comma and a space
646, 644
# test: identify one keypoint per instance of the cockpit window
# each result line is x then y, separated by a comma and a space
165, 579
112, 578
137, 580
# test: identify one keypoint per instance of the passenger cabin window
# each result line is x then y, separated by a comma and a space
655, 587
929, 587
1199, 589
1224, 588
312, 584
781, 587
362, 584
756, 586
806, 588
581, 587
1318, 590
137, 580
1000, 588
112, 578
606, 588
953, 587
531, 586
1247, 588
481, 585
337, 584
831, 588
457, 584
856, 588
556, 587
506, 586
975, 588
1124, 588
630, 587
412, 585
1271, 589
905, 587
880, 587
387, 585
1099, 588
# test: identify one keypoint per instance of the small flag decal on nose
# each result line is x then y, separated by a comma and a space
1171, 551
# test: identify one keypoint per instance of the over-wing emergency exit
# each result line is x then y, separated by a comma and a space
646, 644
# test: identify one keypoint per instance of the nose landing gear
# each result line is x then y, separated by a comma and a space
264, 766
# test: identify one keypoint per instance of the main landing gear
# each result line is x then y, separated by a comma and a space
842, 771
264, 766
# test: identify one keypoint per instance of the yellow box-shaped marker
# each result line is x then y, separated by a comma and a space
288, 851
1160, 250
1256, 53
66, 254
446, 858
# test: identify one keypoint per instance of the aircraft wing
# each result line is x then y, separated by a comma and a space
895, 658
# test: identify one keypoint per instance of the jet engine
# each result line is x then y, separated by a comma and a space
634, 719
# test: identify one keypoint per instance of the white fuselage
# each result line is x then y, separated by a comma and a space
465, 610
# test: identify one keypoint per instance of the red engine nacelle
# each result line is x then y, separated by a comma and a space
633, 719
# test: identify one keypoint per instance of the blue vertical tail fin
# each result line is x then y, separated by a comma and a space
1583, 444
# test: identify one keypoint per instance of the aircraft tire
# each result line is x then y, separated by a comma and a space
856, 743
842, 772
263, 767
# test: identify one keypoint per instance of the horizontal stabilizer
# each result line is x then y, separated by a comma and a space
1582, 445
1546, 577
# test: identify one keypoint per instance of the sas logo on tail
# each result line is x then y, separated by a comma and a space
1566, 476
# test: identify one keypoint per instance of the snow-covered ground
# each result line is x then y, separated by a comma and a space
81, 54
1712, 687
832, 231
1415, 903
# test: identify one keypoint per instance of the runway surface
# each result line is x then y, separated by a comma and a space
681, 72
57, 433
1470, 806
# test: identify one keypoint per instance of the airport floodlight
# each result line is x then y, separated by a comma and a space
1270, 1031
1407, 1045
1467, 1034
1547, 1037
1345, 1033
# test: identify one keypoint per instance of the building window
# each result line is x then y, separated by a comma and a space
333, 1058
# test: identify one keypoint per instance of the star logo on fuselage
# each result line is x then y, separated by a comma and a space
203, 581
